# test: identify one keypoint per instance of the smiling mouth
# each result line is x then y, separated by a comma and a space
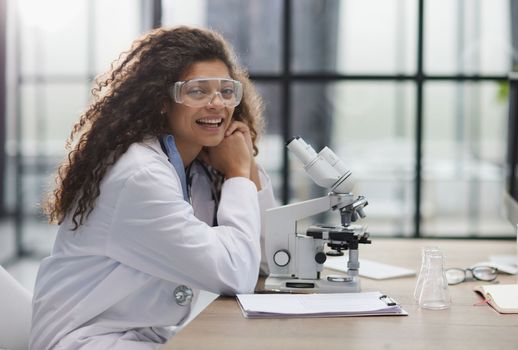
210, 122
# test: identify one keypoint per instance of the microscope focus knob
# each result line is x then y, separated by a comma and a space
281, 257
320, 257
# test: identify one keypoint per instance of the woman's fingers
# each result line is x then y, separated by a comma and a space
243, 128
237, 125
231, 156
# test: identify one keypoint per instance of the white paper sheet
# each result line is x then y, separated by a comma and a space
369, 268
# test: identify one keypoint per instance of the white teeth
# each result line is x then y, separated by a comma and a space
210, 121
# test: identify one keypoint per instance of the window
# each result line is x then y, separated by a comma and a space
406, 92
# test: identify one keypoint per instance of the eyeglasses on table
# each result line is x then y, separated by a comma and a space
457, 275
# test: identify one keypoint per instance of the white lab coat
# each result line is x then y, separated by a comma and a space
109, 285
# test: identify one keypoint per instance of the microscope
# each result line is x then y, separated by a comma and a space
296, 260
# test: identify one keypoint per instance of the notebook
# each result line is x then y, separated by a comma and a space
502, 297
318, 305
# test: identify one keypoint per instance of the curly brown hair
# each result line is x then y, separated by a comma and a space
126, 108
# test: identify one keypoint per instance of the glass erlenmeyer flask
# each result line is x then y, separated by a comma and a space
434, 292
425, 253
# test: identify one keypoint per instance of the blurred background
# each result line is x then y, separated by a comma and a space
411, 94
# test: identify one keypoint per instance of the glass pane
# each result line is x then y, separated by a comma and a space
253, 27
463, 159
53, 36
369, 125
59, 41
470, 37
7, 239
111, 39
271, 142
48, 113
64, 104
354, 36
7, 227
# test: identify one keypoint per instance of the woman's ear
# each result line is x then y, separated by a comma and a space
166, 107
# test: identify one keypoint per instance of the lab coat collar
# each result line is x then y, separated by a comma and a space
154, 144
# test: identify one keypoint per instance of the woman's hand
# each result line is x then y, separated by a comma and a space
232, 156
243, 128
237, 126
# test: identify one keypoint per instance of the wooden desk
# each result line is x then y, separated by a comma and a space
464, 326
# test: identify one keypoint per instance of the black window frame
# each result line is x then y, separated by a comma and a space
287, 78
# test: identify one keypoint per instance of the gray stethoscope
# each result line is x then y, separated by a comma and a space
215, 191
211, 175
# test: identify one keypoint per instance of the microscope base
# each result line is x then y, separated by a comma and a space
328, 284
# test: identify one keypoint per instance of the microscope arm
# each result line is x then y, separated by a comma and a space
292, 212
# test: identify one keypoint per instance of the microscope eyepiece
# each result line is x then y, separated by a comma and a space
293, 138
324, 168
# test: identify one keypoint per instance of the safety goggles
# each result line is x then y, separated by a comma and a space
201, 92
481, 273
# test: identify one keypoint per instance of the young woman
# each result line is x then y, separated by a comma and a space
160, 197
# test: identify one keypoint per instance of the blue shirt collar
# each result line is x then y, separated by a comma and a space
176, 160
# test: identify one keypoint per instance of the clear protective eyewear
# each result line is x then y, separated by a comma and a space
481, 273
201, 92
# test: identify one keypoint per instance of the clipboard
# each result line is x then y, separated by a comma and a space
388, 300
318, 305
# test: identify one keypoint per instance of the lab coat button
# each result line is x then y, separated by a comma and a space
183, 295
